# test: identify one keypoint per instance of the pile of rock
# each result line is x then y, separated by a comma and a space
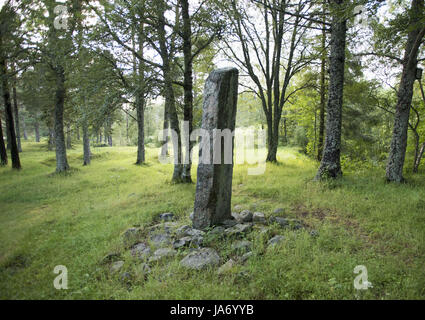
168, 239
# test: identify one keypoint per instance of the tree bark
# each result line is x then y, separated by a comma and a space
16, 111
68, 137
330, 165
169, 94
418, 158
86, 144
3, 152
37, 130
24, 127
61, 158
188, 88
396, 157
140, 100
16, 163
322, 96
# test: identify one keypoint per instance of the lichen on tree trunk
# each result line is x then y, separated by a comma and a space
330, 166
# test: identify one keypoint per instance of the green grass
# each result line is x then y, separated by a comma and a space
76, 219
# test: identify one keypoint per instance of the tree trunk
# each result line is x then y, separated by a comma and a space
330, 165
322, 96
169, 94
418, 158
3, 152
61, 158
188, 88
68, 137
86, 144
16, 111
37, 130
24, 127
164, 147
394, 171
16, 163
140, 100
51, 141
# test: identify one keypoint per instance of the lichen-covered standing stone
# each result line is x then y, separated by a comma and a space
215, 169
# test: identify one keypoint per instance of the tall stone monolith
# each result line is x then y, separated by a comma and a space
215, 169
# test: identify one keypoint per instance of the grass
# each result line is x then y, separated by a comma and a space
76, 219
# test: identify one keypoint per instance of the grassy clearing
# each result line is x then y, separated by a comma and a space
76, 219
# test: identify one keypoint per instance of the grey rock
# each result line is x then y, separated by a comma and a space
246, 256
160, 239
226, 267
117, 266
242, 246
275, 240
239, 229
238, 208
183, 242
245, 216
167, 227
279, 211
125, 277
161, 254
214, 181
141, 251
283, 222
228, 223
200, 259
258, 217
168, 216
181, 231
218, 230
191, 232
295, 224
131, 236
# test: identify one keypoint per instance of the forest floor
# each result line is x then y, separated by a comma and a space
76, 219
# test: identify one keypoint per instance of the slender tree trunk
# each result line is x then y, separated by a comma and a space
3, 152
126, 127
169, 94
330, 165
24, 127
37, 130
16, 163
418, 158
140, 110
86, 144
8, 139
140, 100
396, 157
188, 90
322, 97
16, 111
165, 126
61, 158
68, 137
77, 129
51, 141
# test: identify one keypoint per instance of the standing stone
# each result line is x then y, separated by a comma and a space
215, 169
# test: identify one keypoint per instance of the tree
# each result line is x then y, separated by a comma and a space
395, 163
8, 22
